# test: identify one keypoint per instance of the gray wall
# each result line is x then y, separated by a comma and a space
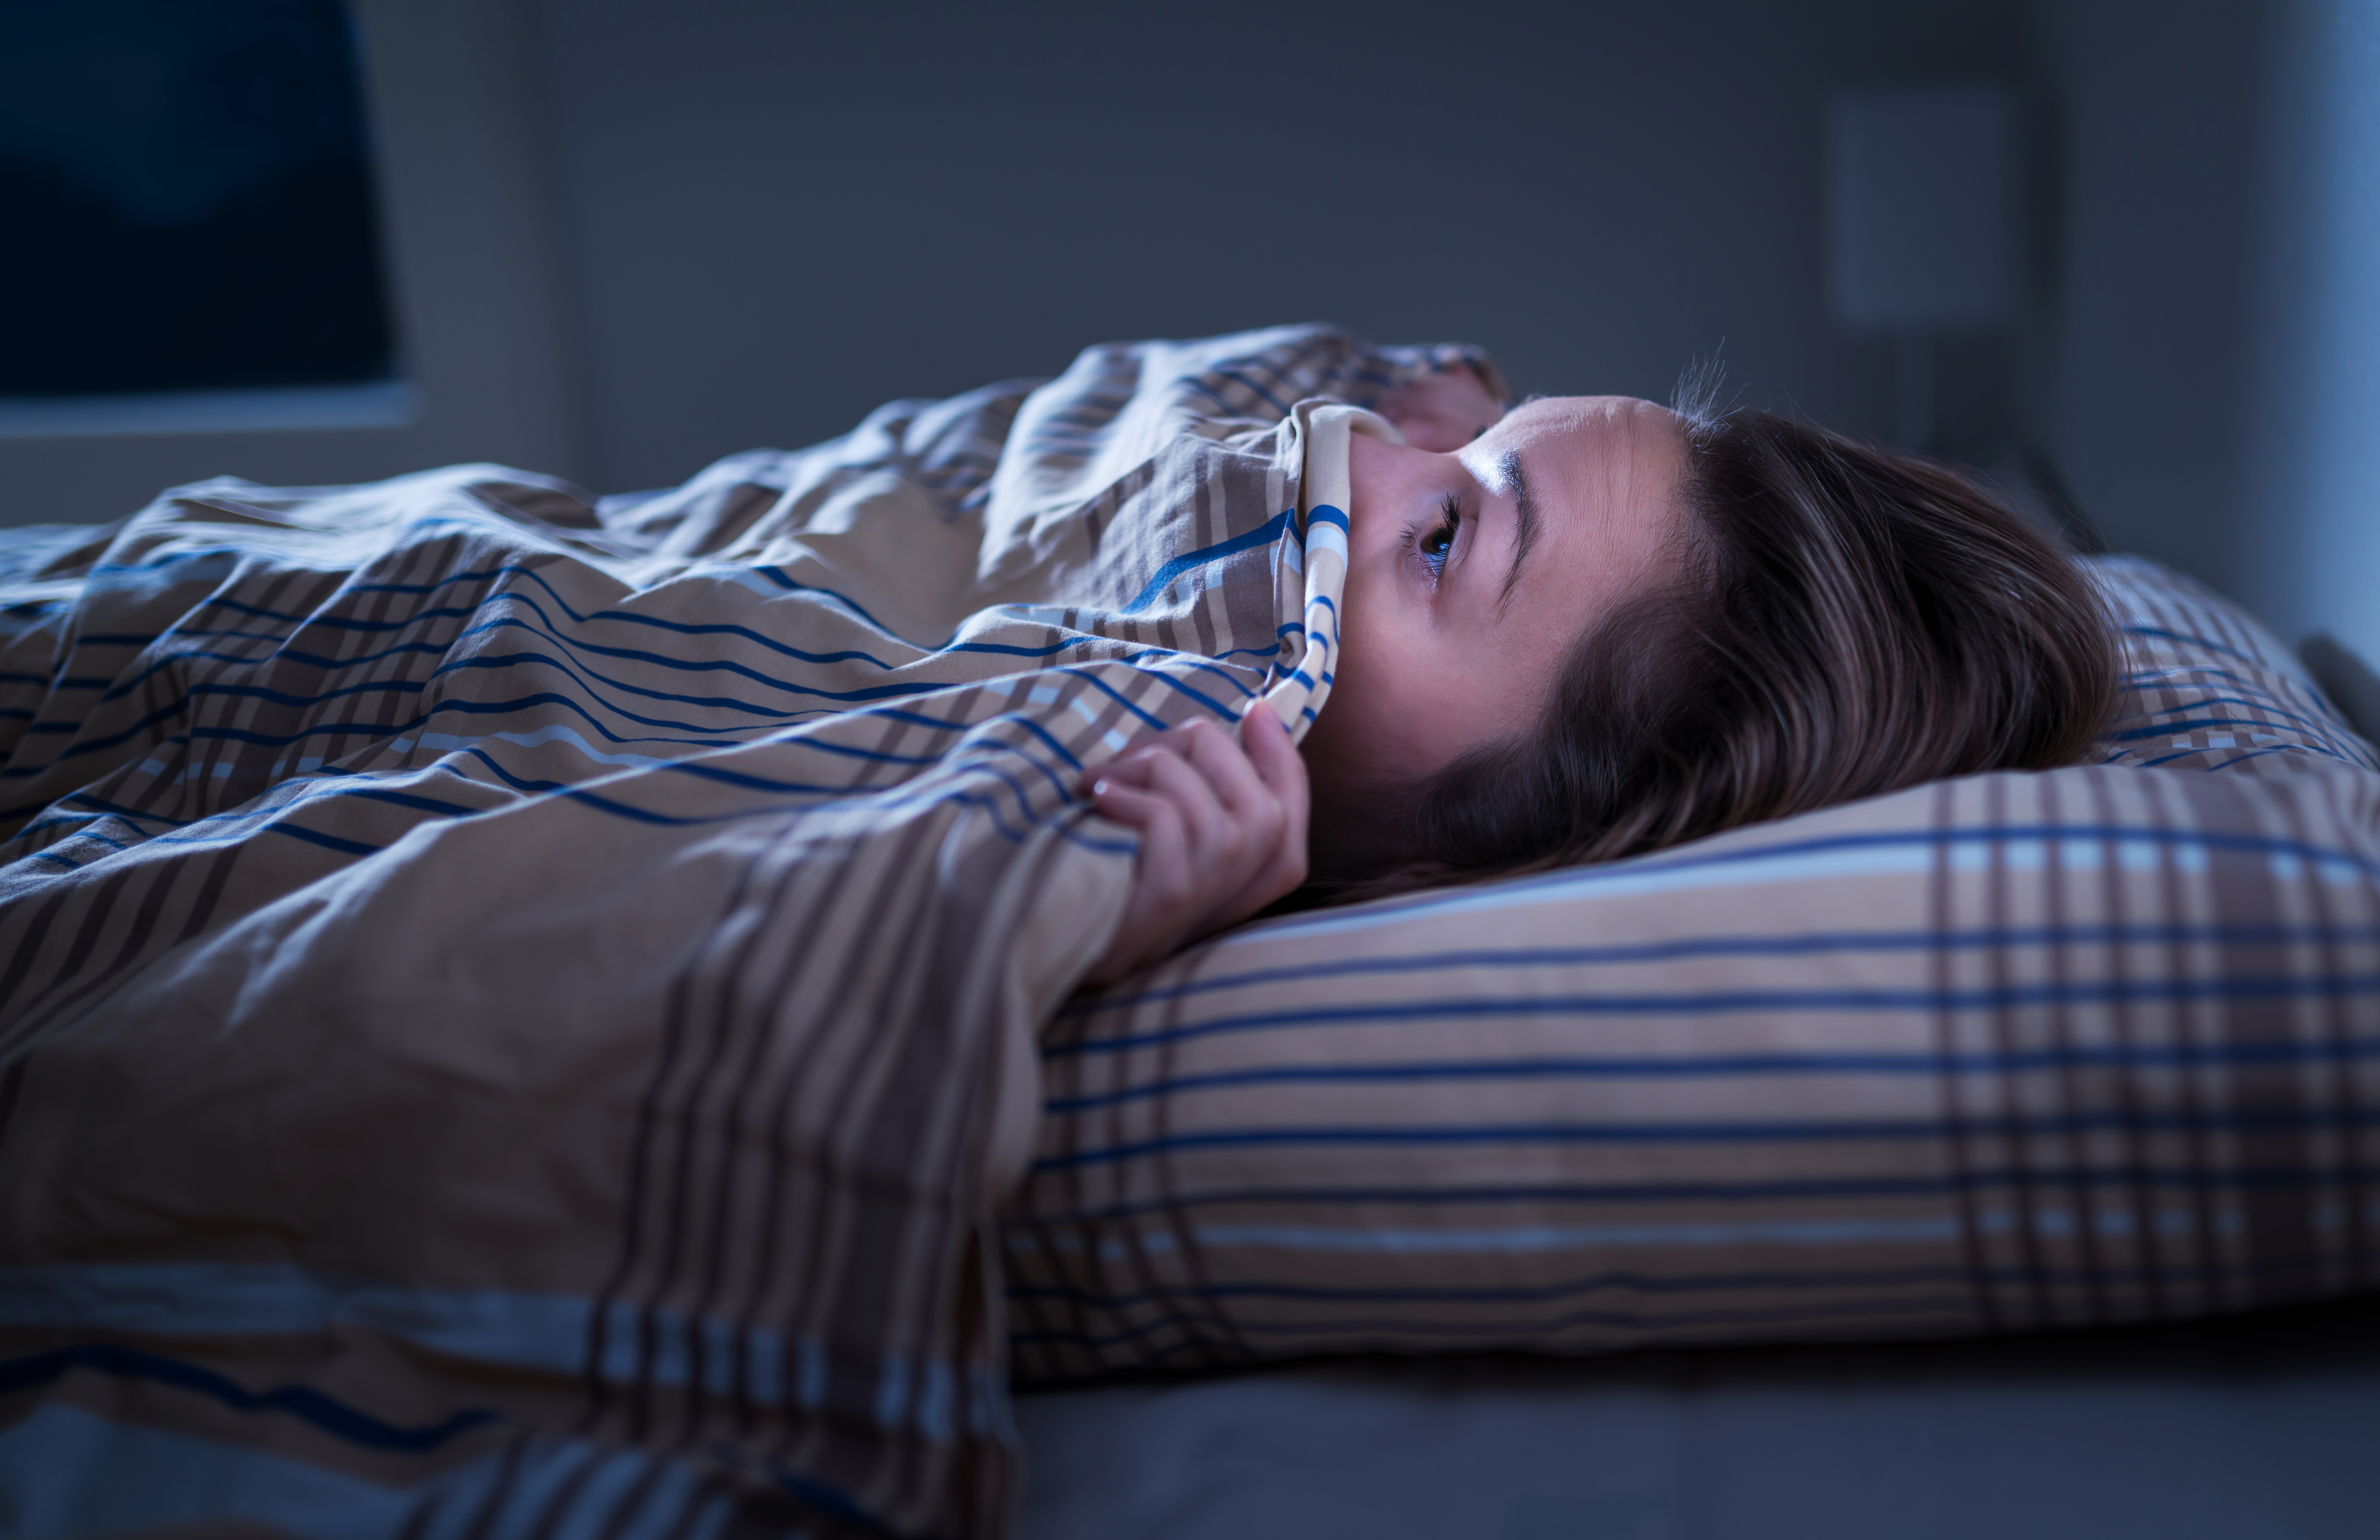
2214, 361
778, 215
2159, 116
630, 238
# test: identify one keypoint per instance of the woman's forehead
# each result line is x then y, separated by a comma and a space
1592, 442
1623, 413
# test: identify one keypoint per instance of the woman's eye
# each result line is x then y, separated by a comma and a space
1433, 546
1438, 544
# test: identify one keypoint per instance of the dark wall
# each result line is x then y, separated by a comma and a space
627, 239
772, 216
2162, 125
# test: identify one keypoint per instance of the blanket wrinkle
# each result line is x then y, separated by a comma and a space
517, 1008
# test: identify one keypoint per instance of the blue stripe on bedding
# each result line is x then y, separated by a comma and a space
1826, 1131
1497, 1317
304, 620
1899, 851
2292, 748
412, 725
1263, 534
1954, 1312
2188, 724
2237, 987
1179, 1303
182, 1299
2333, 1052
548, 1333
124, 687
1955, 1297
1605, 1280
390, 730
229, 828
1161, 1295
339, 1419
2312, 724
49, 1464
1953, 940
1388, 1241
2160, 634
1238, 377
2117, 1176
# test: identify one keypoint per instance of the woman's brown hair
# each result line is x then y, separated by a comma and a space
1847, 620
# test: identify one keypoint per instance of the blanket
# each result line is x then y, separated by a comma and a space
516, 1009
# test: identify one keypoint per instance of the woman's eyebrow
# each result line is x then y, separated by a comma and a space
1508, 467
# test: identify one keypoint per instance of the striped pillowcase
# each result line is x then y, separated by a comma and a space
2017, 1051
2206, 688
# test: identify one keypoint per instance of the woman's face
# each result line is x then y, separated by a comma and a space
1470, 574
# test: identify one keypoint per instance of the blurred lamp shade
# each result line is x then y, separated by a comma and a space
1921, 209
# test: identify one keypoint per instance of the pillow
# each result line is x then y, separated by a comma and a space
2015, 1050
2207, 689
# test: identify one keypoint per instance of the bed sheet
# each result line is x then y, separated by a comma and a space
2256, 1425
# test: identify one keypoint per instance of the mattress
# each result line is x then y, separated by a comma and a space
2252, 1426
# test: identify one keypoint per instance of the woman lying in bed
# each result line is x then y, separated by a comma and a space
1594, 627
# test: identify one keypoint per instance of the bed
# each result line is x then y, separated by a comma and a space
527, 1014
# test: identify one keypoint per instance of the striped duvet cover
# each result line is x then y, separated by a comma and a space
2020, 1050
514, 1012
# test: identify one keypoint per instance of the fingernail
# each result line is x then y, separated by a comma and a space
1099, 788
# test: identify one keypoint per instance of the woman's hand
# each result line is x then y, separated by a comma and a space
1442, 411
1222, 832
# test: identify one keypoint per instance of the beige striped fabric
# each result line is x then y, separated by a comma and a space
1311, 582
2207, 689
2020, 1050
514, 1013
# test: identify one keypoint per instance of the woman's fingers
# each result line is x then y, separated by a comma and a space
1274, 761
1204, 775
1251, 848
1199, 743
1222, 822
1277, 764
1164, 842
1225, 764
1213, 830
1159, 910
